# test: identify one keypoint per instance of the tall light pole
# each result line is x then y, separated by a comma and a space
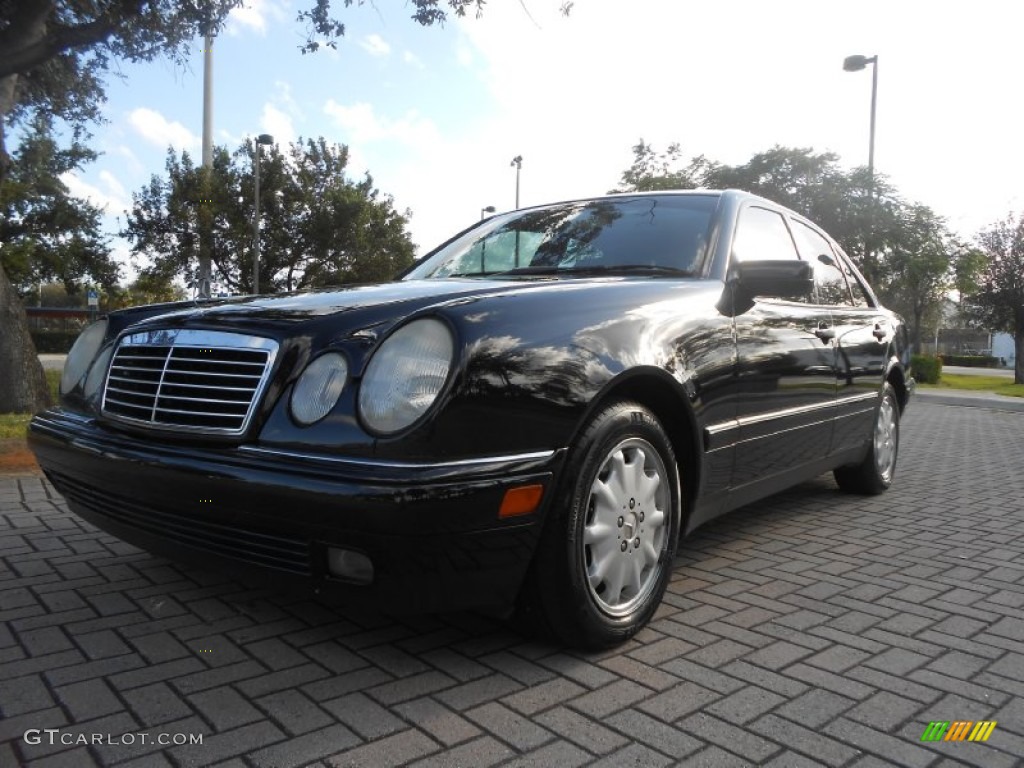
263, 138
205, 215
487, 210
856, 64
517, 161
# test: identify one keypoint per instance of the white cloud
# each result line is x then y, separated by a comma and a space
361, 124
375, 45
464, 55
412, 60
253, 16
112, 198
278, 124
130, 157
158, 130
284, 98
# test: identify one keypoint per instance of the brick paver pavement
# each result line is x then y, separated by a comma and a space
811, 629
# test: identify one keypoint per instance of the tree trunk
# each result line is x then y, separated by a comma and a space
915, 333
23, 387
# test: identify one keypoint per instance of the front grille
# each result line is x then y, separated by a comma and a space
262, 548
198, 381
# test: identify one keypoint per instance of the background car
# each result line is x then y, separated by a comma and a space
531, 417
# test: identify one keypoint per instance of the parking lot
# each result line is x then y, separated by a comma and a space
814, 628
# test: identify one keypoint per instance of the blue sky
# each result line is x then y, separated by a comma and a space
437, 114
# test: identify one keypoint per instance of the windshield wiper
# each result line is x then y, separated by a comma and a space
598, 269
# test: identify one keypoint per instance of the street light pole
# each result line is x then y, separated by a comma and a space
205, 213
487, 210
517, 161
855, 64
263, 138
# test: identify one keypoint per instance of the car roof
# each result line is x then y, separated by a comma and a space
734, 194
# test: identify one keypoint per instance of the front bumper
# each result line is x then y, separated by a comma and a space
431, 530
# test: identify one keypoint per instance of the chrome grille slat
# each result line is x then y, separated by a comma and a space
183, 380
232, 376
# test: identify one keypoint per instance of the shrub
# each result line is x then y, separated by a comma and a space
927, 369
54, 342
971, 361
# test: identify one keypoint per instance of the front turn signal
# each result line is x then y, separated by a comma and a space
522, 500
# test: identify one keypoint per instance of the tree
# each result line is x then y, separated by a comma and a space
46, 234
319, 227
54, 54
910, 248
916, 269
652, 170
998, 304
52, 57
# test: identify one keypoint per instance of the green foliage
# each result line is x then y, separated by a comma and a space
147, 289
653, 171
926, 368
54, 342
318, 226
46, 234
998, 302
14, 425
971, 361
914, 272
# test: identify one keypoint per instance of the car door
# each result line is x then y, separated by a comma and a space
785, 364
863, 336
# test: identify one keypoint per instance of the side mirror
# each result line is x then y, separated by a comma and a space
775, 279
789, 279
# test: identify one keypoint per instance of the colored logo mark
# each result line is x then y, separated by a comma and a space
958, 730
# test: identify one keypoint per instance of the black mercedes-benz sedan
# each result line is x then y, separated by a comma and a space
531, 417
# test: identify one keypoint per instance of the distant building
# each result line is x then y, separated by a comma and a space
954, 337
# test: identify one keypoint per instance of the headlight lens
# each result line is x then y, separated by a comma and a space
319, 388
405, 375
97, 373
82, 352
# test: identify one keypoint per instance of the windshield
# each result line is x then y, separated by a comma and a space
663, 234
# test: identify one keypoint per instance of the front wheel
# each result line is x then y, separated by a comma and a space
606, 553
874, 474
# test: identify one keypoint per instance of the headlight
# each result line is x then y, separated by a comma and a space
319, 388
405, 375
82, 352
97, 373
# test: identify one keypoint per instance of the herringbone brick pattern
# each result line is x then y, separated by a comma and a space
811, 629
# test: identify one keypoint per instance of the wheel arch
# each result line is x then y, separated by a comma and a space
897, 378
656, 390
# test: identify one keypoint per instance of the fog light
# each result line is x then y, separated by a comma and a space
523, 500
349, 565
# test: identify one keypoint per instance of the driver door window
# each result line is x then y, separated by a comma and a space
762, 235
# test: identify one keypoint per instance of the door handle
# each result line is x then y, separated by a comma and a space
879, 333
825, 333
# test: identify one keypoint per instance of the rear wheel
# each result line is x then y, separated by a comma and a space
606, 553
875, 473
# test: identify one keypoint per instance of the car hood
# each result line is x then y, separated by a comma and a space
366, 306
302, 307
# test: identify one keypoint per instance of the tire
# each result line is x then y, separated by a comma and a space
874, 475
606, 552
